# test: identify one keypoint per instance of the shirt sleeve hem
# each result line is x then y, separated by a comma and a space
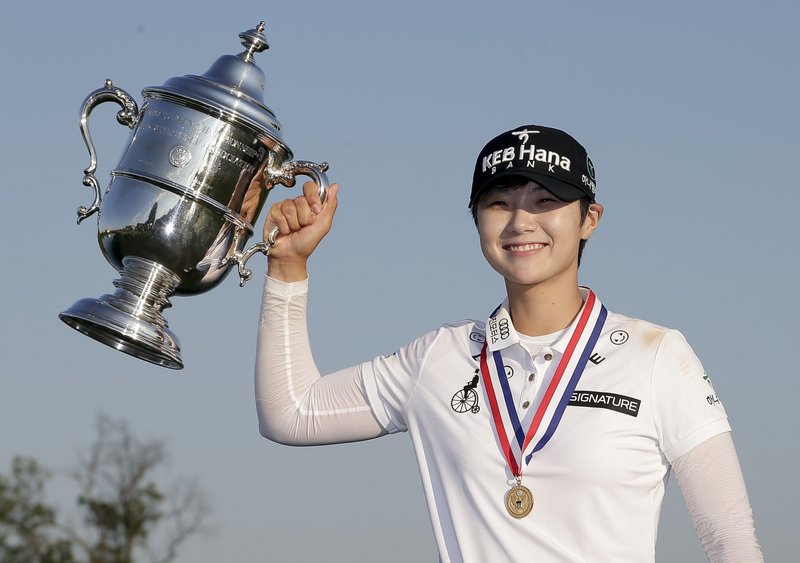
378, 410
697, 438
285, 289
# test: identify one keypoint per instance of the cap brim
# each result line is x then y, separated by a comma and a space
562, 190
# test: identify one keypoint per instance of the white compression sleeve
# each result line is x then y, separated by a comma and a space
714, 491
295, 404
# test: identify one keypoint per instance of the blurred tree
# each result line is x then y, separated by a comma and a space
122, 508
28, 531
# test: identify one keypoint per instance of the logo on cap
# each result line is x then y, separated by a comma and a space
524, 156
523, 135
537, 152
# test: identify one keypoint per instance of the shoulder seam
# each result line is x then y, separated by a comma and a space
664, 333
424, 360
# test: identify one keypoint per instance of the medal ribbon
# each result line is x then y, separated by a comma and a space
549, 411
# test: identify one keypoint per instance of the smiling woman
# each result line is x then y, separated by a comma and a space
531, 237
510, 182
592, 429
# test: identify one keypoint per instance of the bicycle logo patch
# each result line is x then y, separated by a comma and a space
466, 398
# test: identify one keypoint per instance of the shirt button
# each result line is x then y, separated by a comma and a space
548, 356
526, 404
531, 377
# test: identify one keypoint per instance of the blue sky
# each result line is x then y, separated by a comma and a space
688, 111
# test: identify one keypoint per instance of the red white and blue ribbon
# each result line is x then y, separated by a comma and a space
514, 440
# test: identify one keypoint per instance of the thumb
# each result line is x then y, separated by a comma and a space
331, 204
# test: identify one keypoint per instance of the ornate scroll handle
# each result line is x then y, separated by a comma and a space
284, 175
126, 116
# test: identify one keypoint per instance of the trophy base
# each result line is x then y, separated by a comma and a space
130, 320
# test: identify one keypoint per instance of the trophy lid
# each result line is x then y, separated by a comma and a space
232, 87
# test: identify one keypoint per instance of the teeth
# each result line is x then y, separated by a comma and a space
524, 247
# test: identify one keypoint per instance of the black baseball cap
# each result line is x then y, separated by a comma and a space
548, 156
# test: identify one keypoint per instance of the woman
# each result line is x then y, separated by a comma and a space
546, 433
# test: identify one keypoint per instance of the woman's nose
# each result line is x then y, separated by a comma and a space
522, 221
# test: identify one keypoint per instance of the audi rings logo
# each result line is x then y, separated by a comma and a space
503, 324
499, 330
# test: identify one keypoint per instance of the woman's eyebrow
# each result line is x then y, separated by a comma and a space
503, 189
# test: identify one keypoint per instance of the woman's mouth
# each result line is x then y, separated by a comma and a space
524, 247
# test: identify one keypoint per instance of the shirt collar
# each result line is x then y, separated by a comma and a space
500, 331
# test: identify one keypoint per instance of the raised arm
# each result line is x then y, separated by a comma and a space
295, 404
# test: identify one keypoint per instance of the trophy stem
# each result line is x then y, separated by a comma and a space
130, 320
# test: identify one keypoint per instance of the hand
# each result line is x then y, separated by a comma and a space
302, 224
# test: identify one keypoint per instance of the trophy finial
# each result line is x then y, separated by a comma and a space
254, 41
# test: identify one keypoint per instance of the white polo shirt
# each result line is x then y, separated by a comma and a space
642, 401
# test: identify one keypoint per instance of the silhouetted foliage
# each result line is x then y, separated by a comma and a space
27, 525
121, 506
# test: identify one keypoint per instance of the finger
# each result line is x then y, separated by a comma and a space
311, 193
331, 202
289, 212
275, 218
304, 211
268, 226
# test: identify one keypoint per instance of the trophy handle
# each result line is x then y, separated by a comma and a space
284, 175
126, 116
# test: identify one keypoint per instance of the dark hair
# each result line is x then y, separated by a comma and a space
516, 182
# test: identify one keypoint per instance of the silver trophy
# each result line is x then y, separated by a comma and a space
203, 153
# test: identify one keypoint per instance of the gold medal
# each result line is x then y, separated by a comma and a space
519, 500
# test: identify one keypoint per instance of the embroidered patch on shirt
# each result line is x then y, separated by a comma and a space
601, 400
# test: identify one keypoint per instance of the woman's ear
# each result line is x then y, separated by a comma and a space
591, 220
